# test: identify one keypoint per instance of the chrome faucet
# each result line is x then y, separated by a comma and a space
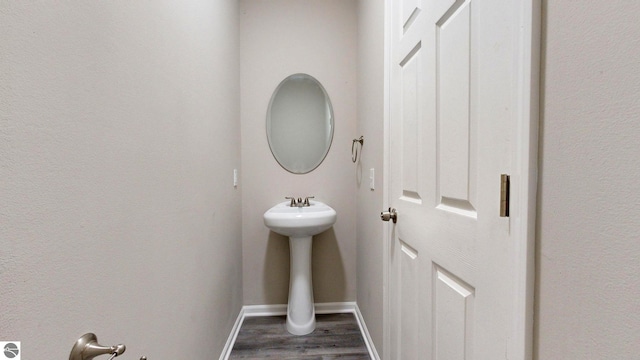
299, 202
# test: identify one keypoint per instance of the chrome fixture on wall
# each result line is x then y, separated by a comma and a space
87, 348
354, 148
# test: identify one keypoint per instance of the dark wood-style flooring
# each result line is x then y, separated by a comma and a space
337, 336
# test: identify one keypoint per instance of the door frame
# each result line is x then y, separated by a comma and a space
523, 180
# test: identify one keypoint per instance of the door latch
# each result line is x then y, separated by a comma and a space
389, 215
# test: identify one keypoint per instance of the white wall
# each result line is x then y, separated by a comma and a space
369, 228
588, 287
117, 214
279, 38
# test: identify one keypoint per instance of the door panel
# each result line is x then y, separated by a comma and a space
453, 109
411, 294
452, 316
410, 67
450, 127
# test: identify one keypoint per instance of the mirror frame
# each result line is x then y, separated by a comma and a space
327, 100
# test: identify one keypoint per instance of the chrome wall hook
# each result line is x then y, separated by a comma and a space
87, 347
354, 148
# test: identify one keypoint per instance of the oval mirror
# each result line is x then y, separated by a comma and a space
300, 123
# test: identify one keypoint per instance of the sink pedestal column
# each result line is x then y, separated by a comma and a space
301, 314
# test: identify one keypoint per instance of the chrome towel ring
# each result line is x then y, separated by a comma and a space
354, 148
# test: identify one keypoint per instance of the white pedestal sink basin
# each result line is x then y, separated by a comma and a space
300, 224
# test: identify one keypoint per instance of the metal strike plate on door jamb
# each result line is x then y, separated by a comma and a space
504, 195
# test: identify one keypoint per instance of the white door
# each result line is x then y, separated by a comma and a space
458, 271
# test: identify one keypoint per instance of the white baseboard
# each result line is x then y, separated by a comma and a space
281, 309
365, 334
226, 351
265, 310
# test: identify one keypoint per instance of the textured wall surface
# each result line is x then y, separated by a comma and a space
117, 213
589, 194
119, 124
279, 38
369, 228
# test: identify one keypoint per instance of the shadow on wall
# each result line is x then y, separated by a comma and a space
327, 269
329, 282
276, 269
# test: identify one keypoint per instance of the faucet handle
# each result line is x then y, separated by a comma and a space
293, 201
306, 200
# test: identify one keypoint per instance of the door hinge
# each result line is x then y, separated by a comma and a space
504, 195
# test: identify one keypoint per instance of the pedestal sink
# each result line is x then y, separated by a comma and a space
300, 223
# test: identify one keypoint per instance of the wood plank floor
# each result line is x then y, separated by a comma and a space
337, 336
